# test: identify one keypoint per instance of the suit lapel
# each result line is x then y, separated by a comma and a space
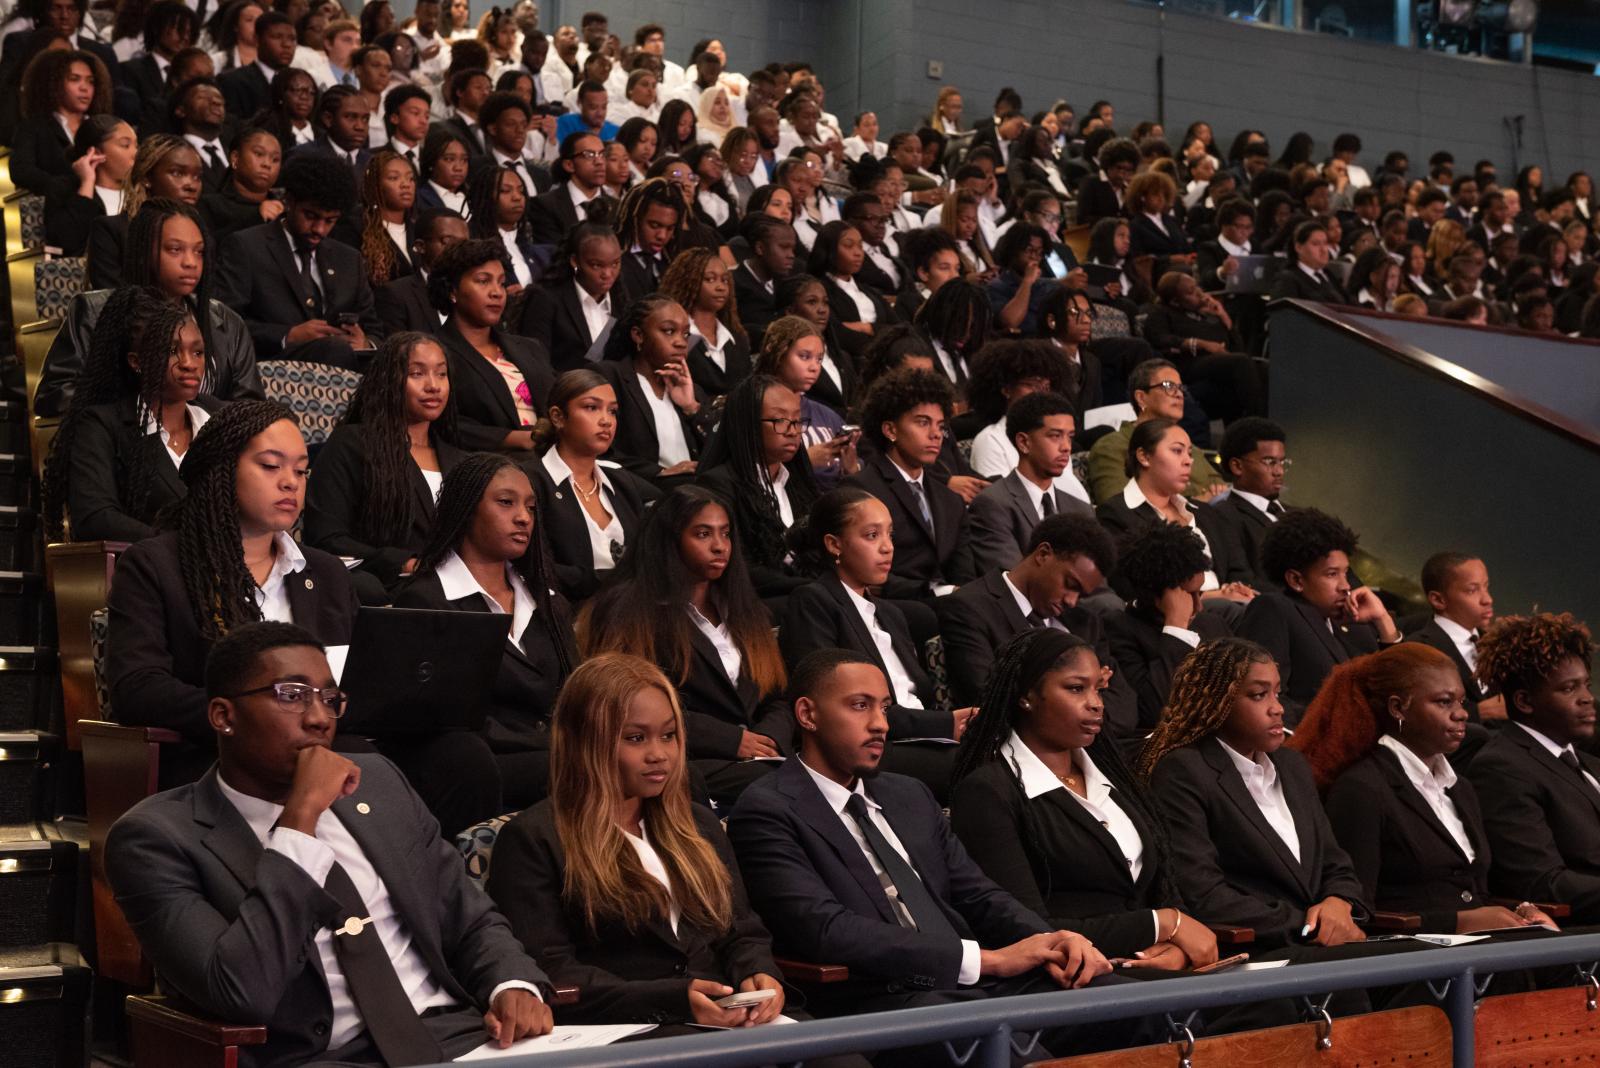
278, 248
301, 590
1020, 501
470, 357
1559, 771
1092, 827
1412, 798
1233, 785
713, 663
1320, 627
853, 621
994, 582
568, 305
228, 836
906, 495
813, 808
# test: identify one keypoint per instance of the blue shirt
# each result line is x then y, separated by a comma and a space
572, 122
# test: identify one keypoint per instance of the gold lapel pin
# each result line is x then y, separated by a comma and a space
363, 808
310, 585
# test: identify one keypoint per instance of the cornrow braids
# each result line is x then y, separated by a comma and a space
379, 405
220, 587
377, 250
1200, 701
620, 345
459, 496
136, 321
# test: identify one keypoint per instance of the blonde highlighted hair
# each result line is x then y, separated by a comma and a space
604, 878
781, 336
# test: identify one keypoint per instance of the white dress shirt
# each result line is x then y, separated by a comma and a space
837, 797
1133, 497
882, 260
1256, 501
456, 581
655, 868
600, 538
993, 457
1555, 750
1266, 790
519, 262
949, 361
272, 596
671, 446
716, 347
520, 165
110, 199
435, 481
207, 149
596, 313
198, 417
1463, 639
456, 202
905, 692
1234, 250
722, 640
397, 234
1025, 606
1432, 778
780, 493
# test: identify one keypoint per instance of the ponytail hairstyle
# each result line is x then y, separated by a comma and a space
377, 248
603, 877
139, 322
379, 405
1351, 711
568, 387
829, 514
643, 607
1201, 699
1019, 667
219, 587
782, 335
620, 345
463, 488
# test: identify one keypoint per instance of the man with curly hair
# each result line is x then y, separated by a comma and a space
1541, 794
1319, 617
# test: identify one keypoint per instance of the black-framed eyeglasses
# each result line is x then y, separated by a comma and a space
296, 697
788, 426
1075, 311
1170, 388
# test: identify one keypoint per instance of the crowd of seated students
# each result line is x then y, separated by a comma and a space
755, 435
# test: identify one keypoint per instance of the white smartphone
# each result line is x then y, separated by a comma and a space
745, 999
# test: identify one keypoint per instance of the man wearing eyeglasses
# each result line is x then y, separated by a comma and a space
310, 891
1254, 461
579, 192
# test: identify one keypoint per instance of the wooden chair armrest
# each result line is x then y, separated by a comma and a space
565, 995
798, 971
1228, 935
168, 1015
1397, 922
1552, 909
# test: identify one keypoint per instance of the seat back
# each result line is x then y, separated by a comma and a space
933, 655
1109, 321
476, 844
79, 574
1077, 239
1544, 1027
55, 282
317, 393
1421, 1035
30, 219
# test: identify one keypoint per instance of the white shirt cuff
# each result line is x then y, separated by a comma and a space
971, 961
1155, 921
1187, 637
312, 855
514, 984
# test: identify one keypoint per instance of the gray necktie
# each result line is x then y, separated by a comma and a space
922, 502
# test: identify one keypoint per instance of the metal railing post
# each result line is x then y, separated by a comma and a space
995, 1052
1461, 1006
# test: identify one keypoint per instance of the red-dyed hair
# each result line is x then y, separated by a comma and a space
1349, 713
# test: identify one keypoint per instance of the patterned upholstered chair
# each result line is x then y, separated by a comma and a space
476, 844
55, 282
317, 393
32, 211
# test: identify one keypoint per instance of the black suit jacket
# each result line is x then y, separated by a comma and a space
1245, 526
717, 712
820, 615
636, 447
261, 280
484, 409
1211, 256
639, 277
1298, 638
457, 126
982, 616
626, 975
230, 926
816, 890
756, 307
1231, 866
155, 653
68, 217
99, 474
1059, 861
568, 532
1001, 520
1292, 282
551, 215
716, 381
1096, 201
143, 74
1126, 523
39, 149
842, 309
226, 213
1401, 852
923, 556
245, 91
761, 531
403, 305
108, 237
1434, 635
524, 694
1148, 655
1543, 823
1147, 239
554, 317
336, 497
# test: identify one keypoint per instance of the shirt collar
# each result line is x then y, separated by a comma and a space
914, 480
585, 301
1551, 747
1036, 778
1232, 249
1255, 500
197, 418
558, 470
782, 479
1261, 769
456, 581
266, 71
1023, 604
837, 796
260, 814
1133, 497
200, 142
866, 608
577, 197
1455, 631
1309, 272
288, 560
720, 342
1422, 773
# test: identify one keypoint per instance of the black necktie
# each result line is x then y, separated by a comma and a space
1035, 620
314, 301
374, 985
924, 913
1274, 508
1570, 759
216, 158
1047, 503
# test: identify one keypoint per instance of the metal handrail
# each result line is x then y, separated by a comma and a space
992, 1022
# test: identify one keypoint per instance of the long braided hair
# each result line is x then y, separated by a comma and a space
637, 200
153, 151
1020, 665
1201, 699
681, 281
220, 588
737, 443
141, 258
483, 189
379, 405
377, 250
463, 488
136, 321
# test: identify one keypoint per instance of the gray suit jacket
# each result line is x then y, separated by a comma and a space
1001, 519
231, 927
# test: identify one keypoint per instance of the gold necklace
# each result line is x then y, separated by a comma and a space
594, 487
